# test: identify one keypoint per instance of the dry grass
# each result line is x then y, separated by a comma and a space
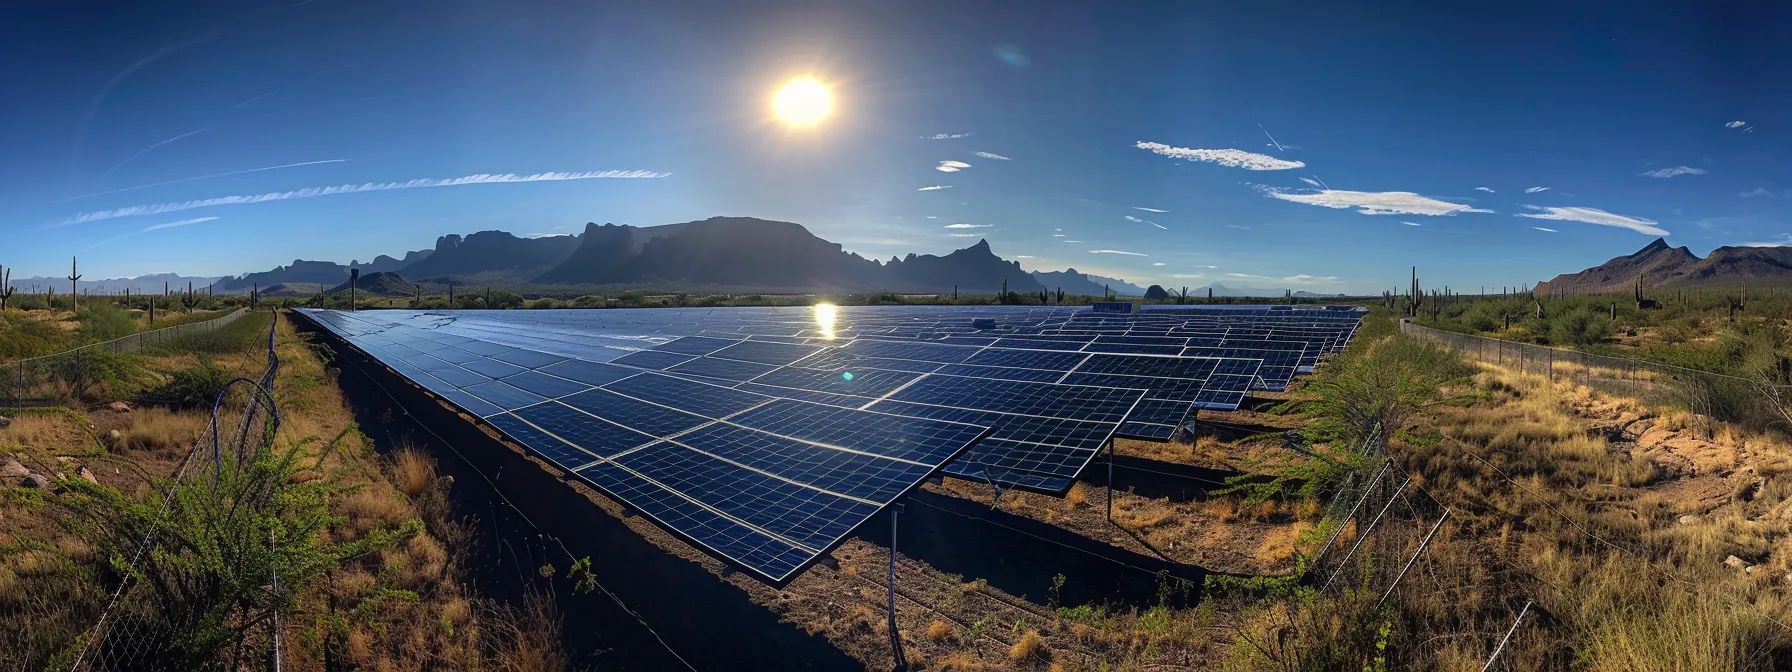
1030, 646
939, 630
162, 431
1078, 494
412, 471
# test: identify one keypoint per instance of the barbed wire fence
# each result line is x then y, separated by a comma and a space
1378, 526
44, 380
147, 622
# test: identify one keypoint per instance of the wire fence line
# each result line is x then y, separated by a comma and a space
39, 380
1714, 395
146, 624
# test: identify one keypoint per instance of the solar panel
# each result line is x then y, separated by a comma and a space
764, 439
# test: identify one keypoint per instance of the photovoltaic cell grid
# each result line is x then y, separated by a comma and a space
1052, 385
769, 483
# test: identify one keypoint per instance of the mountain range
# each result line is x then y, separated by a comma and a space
1660, 265
721, 254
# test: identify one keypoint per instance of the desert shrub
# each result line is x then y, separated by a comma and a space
194, 387
588, 301
100, 321
21, 336
1578, 327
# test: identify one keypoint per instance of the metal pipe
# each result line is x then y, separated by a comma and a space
1413, 559
1508, 637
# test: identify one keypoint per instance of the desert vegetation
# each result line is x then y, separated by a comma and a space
369, 553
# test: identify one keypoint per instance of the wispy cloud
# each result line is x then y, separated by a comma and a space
936, 187
1024, 256
168, 225
1374, 202
1158, 263
1310, 181
1539, 228
1596, 216
1758, 191
1188, 276
1410, 223
1058, 235
183, 222
1484, 189
1534, 190
951, 166
1736, 124
201, 177
988, 155
149, 149
1231, 158
1148, 209
963, 235
1130, 254
1272, 139
1131, 218
1676, 170
945, 136
1298, 279
1071, 241
313, 192
1784, 241
969, 226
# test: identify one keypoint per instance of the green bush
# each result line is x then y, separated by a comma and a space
100, 321
196, 387
1578, 327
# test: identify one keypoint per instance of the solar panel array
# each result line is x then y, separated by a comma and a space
767, 435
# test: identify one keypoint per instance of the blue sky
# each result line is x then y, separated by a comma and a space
1402, 135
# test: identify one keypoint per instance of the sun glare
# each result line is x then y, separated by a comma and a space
803, 102
825, 313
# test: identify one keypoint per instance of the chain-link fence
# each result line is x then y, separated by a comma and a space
65, 375
1728, 398
164, 615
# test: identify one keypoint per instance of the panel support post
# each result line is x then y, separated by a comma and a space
895, 635
1110, 479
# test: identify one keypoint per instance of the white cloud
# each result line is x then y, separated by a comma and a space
1758, 191
1596, 216
1158, 225
1297, 279
1071, 241
1188, 276
1676, 170
1058, 235
988, 155
1158, 263
1210, 267
932, 217
1131, 218
969, 226
1148, 209
1784, 241
1024, 256
1410, 223
1310, 181
1231, 158
1375, 202
483, 178
946, 136
1484, 189
951, 166
963, 235
936, 187
183, 222
1736, 124
1539, 228
1130, 254
1534, 190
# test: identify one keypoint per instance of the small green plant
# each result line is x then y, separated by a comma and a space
583, 580
195, 387
1051, 601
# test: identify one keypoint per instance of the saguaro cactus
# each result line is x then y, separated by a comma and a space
189, 301
6, 288
74, 291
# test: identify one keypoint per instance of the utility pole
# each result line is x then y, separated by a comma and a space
354, 278
73, 292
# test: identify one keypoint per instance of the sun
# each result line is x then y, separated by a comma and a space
803, 102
